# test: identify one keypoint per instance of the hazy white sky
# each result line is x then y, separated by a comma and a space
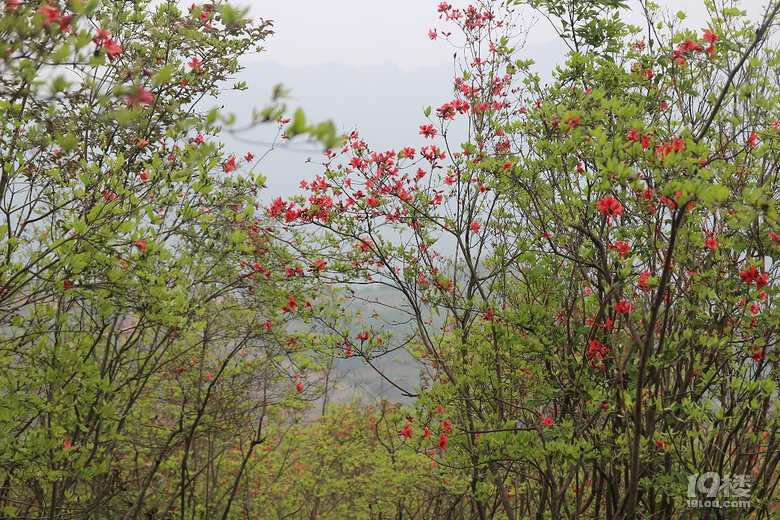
372, 32
356, 32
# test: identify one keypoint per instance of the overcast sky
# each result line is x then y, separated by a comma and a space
372, 32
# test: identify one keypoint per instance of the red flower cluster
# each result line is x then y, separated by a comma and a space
444, 7
290, 272
52, 14
623, 307
139, 96
689, 47
711, 243
597, 353
427, 130
448, 110
609, 207
752, 275
291, 306
633, 135
279, 206
103, 40
230, 164
621, 247
663, 150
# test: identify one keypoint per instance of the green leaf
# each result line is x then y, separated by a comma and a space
298, 124
163, 74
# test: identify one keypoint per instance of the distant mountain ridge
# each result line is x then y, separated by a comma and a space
382, 102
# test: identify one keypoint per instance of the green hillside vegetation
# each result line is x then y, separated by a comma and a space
569, 315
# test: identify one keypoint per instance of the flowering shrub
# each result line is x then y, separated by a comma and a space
583, 275
131, 342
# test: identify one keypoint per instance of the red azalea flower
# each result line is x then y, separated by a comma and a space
687, 47
406, 433
442, 442
102, 36
140, 96
50, 14
112, 48
427, 131
609, 207
622, 248
749, 276
230, 164
710, 37
141, 244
